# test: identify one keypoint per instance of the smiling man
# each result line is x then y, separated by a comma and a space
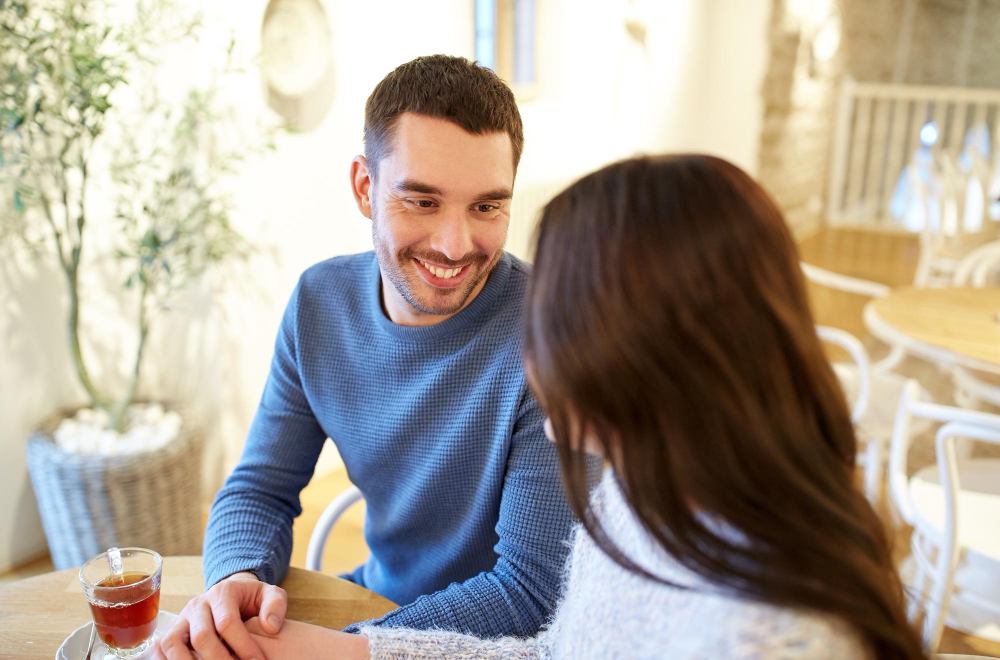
408, 358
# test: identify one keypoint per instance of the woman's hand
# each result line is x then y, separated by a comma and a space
304, 640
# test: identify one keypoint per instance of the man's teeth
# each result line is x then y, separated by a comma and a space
442, 272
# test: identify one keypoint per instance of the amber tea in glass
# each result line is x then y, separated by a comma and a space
124, 604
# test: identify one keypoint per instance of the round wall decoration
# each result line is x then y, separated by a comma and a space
297, 61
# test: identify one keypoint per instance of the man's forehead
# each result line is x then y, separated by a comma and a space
413, 126
438, 157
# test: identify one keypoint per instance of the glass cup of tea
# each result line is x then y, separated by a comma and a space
123, 590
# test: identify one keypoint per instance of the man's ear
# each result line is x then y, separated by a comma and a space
361, 185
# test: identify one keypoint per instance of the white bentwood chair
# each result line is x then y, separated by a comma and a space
954, 509
857, 286
979, 268
856, 381
321, 533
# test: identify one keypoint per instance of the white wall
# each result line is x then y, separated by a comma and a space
735, 52
693, 85
602, 96
34, 380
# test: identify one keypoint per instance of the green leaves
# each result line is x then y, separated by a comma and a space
64, 68
10, 120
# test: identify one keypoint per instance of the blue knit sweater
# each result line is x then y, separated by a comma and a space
466, 519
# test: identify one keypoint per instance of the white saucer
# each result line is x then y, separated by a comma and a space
75, 646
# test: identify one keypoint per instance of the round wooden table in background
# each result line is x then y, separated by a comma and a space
38, 613
957, 326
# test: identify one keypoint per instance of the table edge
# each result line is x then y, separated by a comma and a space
888, 333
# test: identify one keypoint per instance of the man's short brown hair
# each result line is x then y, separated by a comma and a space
447, 87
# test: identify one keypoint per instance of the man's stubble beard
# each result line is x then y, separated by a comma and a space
392, 266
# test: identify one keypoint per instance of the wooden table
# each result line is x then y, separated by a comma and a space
953, 326
884, 257
38, 613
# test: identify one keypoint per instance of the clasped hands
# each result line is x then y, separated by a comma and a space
244, 618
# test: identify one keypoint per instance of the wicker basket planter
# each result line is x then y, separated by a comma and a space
90, 502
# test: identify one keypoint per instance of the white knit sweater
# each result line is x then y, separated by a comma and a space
608, 612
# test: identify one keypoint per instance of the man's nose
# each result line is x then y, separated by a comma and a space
453, 236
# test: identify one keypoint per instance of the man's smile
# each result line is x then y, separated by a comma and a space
439, 276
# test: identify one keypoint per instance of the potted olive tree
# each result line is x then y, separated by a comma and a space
79, 104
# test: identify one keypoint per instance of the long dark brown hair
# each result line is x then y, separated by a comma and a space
668, 323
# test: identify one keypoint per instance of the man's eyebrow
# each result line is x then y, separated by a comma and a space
414, 186
411, 185
497, 194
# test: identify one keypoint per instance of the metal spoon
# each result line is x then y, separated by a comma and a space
93, 638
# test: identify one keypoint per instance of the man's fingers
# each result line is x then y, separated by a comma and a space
204, 639
230, 626
154, 652
254, 627
274, 604
211, 626
173, 645
177, 635
244, 592
178, 652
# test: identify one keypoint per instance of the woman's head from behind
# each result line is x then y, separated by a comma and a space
668, 324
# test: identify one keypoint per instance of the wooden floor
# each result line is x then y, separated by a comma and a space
887, 258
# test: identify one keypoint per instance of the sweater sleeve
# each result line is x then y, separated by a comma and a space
409, 644
518, 596
250, 524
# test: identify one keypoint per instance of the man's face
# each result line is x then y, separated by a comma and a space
440, 208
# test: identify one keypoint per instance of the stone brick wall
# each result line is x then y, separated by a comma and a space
799, 100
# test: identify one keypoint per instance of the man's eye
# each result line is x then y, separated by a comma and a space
421, 203
485, 208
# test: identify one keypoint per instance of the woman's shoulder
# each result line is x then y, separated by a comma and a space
687, 616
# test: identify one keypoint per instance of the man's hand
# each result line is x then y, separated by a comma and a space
212, 624
304, 640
